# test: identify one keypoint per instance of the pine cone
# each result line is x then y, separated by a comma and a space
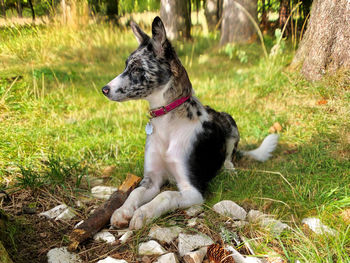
218, 254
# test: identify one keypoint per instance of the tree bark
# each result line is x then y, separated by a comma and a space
213, 12
32, 9
3, 8
325, 47
19, 8
283, 15
236, 26
176, 17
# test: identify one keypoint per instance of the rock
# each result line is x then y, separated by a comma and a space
103, 192
316, 226
151, 248
231, 209
254, 216
54, 212
4, 257
192, 222
125, 236
105, 236
275, 226
165, 234
252, 260
59, 255
188, 243
238, 258
167, 258
193, 210
195, 256
66, 215
111, 260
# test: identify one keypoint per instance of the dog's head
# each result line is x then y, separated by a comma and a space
149, 68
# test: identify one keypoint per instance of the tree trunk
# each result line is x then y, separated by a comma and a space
112, 10
325, 47
176, 17
32, 9
213, 12
283, 15
264, 20
236, 25
3, 8
19, 8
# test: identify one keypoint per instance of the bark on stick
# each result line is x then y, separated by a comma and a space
102, 215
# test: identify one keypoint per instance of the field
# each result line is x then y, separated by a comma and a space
57, 127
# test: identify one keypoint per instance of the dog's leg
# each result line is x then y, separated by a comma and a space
169, 200
230, 145
148, 189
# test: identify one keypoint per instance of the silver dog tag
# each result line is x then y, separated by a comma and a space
149, 128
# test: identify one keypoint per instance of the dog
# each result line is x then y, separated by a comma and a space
186, 141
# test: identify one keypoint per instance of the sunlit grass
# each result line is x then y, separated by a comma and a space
51, 104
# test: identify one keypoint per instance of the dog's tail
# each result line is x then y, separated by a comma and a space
264, 151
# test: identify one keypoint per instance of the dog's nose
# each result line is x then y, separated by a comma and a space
106, 90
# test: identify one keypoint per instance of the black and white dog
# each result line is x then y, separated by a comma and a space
186, 141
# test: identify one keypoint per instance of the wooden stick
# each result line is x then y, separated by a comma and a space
102, 215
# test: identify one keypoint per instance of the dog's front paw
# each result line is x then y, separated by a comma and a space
139, 219
121, 217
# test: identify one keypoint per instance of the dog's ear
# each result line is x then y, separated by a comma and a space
139, 34
158, 31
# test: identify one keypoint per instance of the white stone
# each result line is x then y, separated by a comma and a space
236, 255
275, 226
60, 255
103, 192
165, 234
167, 258
105, 236
111, 260
231, 209
151, 248
193, 210
78, 224
254, 216
125, 236
195, 256
252, 260
54, 212
67, 214
192, 222
316, 225
239, 224
188, 243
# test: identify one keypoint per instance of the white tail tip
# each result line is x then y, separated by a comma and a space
264, 152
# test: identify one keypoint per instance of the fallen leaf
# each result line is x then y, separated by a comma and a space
276, 127
322, 102
108, 171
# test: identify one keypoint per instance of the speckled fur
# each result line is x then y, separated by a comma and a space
188, 145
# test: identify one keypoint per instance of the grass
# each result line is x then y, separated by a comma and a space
56, 125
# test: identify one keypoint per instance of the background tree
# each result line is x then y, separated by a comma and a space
176, 17
19, 8
236, 26
283, 15
325, 47
213, 12
3, 8
112, 9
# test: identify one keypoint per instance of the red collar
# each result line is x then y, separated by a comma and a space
165, 109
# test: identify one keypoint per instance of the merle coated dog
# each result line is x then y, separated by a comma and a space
186, 141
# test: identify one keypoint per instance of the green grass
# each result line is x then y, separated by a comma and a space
56, 125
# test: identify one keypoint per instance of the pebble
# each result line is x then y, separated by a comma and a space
151, 248
188, 243
103, 192
316, 226
195, 256
111, 260
59, 255
125, 236
67, 214
193, 210
192, 222
165, 234
54, 212
167, 258
275, 226
105, 236
231, 209
254, 216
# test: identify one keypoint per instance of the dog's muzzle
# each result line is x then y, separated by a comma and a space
106, 90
